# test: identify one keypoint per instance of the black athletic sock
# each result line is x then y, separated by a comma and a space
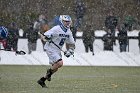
43, 79
49, 72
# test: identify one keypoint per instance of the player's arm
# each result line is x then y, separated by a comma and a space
70, 46
42, 36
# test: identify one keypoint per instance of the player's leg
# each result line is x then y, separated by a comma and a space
55, 59
49, 73
53, 69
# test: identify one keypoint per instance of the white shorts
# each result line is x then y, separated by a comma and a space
53, 56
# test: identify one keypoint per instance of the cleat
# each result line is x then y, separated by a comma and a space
42, 83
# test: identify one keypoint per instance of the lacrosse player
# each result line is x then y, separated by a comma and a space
55, 39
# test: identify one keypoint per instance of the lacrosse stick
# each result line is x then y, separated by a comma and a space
43, 38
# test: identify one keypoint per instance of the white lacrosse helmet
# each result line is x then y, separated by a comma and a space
67, 19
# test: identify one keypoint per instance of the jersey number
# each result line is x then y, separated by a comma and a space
62, 41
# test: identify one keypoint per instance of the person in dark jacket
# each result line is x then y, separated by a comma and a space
41, 25
12, 38
139, 41
111, 23
123, 39
88, 38
129, 22
79, 11
32, 36
108, 41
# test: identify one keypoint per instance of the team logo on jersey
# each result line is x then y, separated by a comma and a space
64, 35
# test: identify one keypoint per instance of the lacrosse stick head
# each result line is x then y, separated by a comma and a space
20, 53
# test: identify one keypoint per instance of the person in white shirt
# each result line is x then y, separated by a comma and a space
55, 39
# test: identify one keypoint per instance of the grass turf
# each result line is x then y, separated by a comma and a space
70, 79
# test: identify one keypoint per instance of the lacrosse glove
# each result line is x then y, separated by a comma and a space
69, 53
48, 38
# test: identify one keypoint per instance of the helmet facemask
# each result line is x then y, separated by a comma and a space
65, 21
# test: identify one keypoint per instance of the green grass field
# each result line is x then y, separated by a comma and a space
69, 79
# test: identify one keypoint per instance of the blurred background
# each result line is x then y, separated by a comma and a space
23, 12
25, 18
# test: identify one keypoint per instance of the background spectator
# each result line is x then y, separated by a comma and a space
129, 21
111, 23
108, 41
123, 39
73, 32
41, 25
3, 43
88, 38
3, 36
139, 41
13, 35
79, 13
32, 36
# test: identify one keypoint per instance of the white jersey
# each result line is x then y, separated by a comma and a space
59, 37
